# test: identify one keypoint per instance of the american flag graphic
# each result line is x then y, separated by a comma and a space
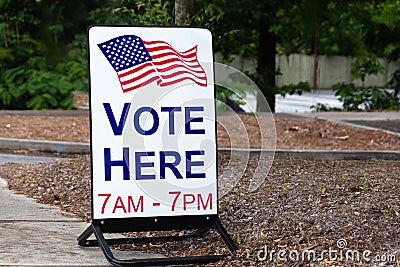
139, 63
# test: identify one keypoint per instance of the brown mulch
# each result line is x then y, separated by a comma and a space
302, 205
81, 99
291, 132
70, 129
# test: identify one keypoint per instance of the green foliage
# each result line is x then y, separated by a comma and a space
208, 16
365, 66
232, 25
293, 89
369, 98
385, 12
144, 13
381, 99
74, 66
149, 13
323, 107
384, 28
289, 21
351, 97
395, 82
43, 54
34, 87
342, 29
34, 83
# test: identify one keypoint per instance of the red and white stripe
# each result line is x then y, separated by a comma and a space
173, 66
138, 76
167, 67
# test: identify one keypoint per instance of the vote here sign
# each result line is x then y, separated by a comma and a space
153, 143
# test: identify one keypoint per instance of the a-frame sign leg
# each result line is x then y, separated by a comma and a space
224, 234
97, 228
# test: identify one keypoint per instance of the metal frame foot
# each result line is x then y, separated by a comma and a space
98, 228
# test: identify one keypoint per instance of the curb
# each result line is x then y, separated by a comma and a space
320, 154
84, 148
340, 154
44, 146
80, 112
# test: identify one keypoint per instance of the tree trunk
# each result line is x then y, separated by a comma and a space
183, 11
316, 54
266, 66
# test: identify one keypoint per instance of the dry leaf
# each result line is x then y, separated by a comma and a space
342, 137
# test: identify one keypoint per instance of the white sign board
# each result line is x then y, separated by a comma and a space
153, 138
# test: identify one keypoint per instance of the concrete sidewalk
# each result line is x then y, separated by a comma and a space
33, 234
36, 234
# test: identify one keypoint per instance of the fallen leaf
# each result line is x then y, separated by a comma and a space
342, 137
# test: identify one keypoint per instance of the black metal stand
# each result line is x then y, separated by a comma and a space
200, 223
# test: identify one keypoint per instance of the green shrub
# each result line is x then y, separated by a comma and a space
32, 87
293, 89
35, 83
368, 98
